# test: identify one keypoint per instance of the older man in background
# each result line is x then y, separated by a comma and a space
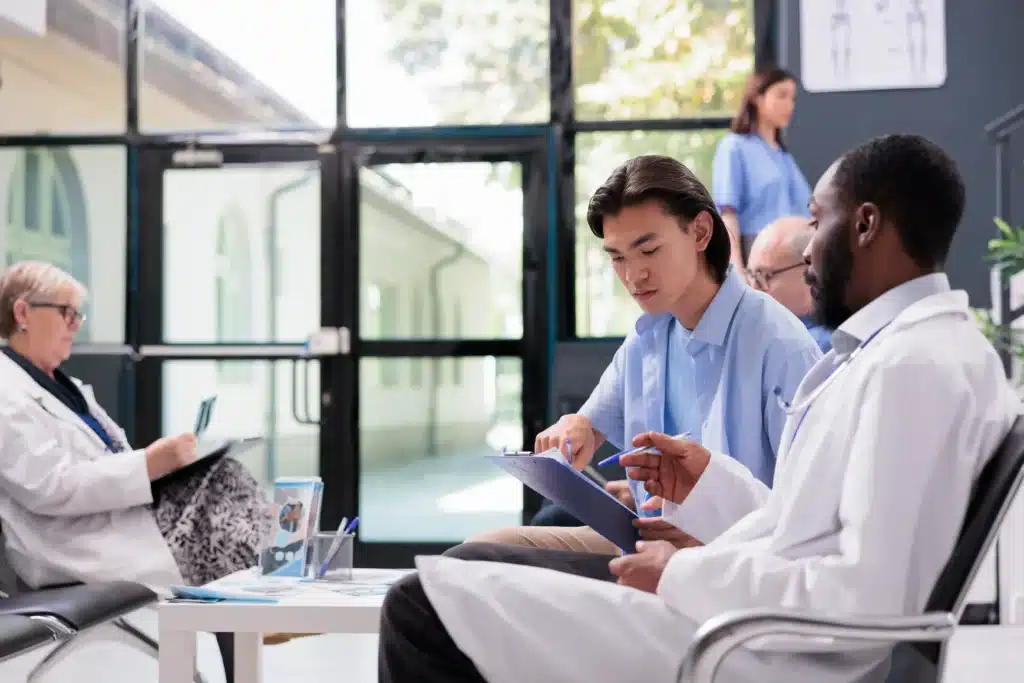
776, 267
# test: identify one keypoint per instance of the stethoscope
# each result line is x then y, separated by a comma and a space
804, 405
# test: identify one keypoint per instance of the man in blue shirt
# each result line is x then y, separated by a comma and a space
776, 266
710, 357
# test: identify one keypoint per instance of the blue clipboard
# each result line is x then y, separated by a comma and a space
571, 490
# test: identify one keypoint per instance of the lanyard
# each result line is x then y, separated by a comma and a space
804, 406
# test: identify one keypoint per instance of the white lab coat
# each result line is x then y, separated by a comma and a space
868, 498
71, 510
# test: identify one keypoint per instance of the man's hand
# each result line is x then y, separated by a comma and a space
673, 471
574, 436
620, 489
643, 570
657, 529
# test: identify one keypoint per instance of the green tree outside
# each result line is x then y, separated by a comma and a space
485, 61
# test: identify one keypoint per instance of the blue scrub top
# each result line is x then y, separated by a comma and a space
759, 183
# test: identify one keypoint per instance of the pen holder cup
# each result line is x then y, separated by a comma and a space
339, 566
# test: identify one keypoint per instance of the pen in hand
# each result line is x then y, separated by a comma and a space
614, 459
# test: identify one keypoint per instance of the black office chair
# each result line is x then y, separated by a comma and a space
80, 614
918, 658
19, 635
74, 614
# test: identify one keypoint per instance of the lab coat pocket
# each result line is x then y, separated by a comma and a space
80, 445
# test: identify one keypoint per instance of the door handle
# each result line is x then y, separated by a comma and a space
324, 343
305, 418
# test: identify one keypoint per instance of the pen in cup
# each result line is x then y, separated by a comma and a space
339, 540
614, 459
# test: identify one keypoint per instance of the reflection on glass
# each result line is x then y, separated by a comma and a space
66, 206
436, 62
254, 398
237, 64
63, 66
660, 60
423, 475
603, 307
440, 251
242, 253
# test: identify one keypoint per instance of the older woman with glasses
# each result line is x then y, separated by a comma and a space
77, 503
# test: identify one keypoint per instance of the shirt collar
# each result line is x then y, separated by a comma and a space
714, 324
883, 310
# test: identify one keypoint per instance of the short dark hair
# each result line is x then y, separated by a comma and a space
653, 177
745, 121
915, 184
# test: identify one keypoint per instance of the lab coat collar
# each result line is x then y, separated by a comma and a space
12, 373
714, 324
888, 307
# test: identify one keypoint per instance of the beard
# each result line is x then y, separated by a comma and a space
828, 288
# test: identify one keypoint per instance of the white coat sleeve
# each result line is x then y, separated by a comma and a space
43, 477
906, 483
725, 493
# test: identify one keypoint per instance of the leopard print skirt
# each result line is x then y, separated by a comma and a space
212, 521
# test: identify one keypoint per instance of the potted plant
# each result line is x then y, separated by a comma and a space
1005, 252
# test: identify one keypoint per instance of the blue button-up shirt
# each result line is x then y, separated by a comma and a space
821, 334
745, 345
759, 183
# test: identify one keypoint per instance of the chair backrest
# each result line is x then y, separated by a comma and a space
991, 498
993, 494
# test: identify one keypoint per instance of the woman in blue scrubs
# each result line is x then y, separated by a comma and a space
754, 179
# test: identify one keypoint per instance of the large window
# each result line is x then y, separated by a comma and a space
423, 474
241, 254
459, 250
660, 59
66, 206
447, 62
237, 64
63, 66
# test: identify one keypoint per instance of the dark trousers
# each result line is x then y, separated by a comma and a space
415, 646
552, 515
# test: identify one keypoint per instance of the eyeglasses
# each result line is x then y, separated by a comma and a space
70, 314
762, 278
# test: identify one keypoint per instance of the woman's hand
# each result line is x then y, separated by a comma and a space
169, 454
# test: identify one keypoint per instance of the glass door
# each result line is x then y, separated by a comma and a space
231, 268
444, 273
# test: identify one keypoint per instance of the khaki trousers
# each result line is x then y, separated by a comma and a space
581, 539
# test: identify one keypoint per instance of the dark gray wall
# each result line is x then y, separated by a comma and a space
985, 53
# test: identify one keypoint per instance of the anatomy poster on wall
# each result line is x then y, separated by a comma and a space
872, 44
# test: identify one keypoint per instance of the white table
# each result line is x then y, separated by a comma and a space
308, 608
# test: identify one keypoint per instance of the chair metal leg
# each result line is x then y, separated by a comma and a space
119, 631
136, 638
226, 643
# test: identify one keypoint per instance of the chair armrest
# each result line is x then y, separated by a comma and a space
717, 637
